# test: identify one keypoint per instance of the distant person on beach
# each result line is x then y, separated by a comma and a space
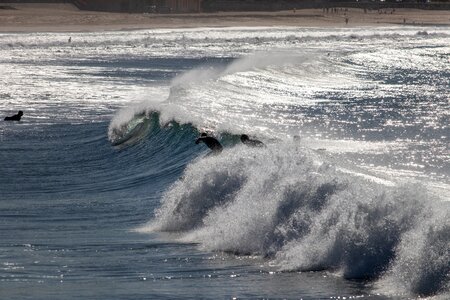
251, 143
211, 142
15, 117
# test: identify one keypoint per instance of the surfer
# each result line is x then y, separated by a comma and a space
251, 143
211, 142
15, 117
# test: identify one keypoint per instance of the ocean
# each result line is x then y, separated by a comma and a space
104, 193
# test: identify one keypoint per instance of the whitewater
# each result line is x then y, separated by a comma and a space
105, 195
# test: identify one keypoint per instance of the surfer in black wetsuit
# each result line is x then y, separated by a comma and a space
251, 143
15, 117
211, 142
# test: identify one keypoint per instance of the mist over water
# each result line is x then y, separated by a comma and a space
105, 191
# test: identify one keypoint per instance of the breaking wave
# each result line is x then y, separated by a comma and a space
288, 204
294, 206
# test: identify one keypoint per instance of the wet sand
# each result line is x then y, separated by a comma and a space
66, 17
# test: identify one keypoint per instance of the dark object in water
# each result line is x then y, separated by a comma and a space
251, 143
211, 142
15, 117
7, 7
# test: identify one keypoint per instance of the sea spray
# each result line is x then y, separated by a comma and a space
257, 60
422, 264
356, 233
289, 204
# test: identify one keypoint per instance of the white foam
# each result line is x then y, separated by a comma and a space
289, 204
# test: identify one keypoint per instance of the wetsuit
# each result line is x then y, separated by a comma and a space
211, 142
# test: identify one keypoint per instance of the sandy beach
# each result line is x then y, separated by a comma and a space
66, 17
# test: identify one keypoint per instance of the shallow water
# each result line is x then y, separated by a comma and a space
104, 193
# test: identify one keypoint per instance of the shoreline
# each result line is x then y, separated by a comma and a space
29, 18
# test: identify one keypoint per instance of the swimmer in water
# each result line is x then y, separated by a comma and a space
211, 142
251, 143
15, 117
